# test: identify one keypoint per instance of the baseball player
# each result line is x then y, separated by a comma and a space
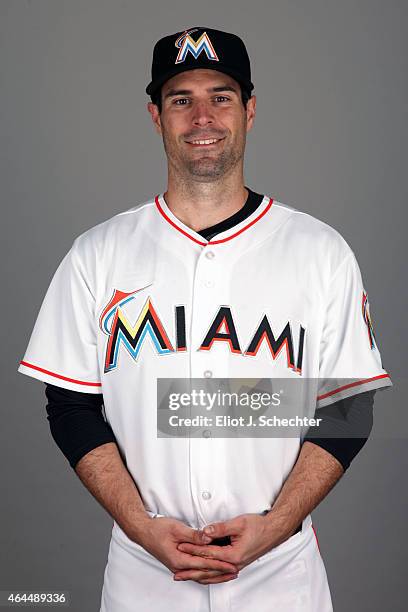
206, 280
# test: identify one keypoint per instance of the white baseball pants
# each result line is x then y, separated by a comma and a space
290, 578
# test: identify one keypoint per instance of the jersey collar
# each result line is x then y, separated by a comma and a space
225, 236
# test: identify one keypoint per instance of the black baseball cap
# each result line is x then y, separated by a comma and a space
200, 48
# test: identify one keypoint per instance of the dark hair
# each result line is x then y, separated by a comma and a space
156, 98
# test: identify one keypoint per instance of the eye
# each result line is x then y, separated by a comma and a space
222, 99
181, 101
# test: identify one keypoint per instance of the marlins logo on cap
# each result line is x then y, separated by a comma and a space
185, 43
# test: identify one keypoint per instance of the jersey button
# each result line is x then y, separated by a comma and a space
206, 495
207, 374
206, 433
208, 283
210, 254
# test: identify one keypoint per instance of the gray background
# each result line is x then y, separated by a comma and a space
77, 146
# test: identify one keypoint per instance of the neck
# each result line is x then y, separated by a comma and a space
203, 204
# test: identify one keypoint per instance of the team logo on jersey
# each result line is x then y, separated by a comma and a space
186, 44
114, 322
365, 307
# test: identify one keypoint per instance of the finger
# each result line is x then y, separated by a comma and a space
194, 536
218, 579
199, 575
223, 528
186, 561
221, 553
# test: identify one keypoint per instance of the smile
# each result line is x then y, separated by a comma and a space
206, 142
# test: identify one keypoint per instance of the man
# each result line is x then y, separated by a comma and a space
208, 280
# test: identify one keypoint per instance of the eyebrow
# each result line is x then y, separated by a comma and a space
187, 92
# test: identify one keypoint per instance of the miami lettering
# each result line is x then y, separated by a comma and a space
122, 333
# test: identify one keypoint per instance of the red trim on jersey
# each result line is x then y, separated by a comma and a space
317, 541
73, 380
161, 211
353, 384
177, 227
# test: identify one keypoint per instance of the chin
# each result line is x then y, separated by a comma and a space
206, 170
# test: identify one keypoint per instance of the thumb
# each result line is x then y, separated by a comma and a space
221, 529
193, 536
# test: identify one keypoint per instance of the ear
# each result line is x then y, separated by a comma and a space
154, 111
251, 112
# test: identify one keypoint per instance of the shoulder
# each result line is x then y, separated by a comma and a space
116, 229
312, 238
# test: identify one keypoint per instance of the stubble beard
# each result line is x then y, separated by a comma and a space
204, 169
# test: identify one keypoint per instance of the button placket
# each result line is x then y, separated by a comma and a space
204, 305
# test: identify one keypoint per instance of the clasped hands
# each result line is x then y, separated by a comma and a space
190, 555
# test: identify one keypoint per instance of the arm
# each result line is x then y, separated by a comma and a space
345, 427
325, 455
313, 476
76, 421
104, 474
88, 442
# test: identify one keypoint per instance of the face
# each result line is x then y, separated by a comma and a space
203, 123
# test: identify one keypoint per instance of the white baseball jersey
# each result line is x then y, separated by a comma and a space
142, 296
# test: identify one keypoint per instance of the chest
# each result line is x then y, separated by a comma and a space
260, 305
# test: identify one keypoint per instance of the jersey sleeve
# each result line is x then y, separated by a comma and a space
349, 357
63, 348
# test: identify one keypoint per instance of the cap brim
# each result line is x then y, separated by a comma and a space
155, 85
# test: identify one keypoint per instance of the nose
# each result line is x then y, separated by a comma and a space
202, 114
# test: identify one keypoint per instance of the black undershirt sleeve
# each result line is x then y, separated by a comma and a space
345, 427
76, 422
